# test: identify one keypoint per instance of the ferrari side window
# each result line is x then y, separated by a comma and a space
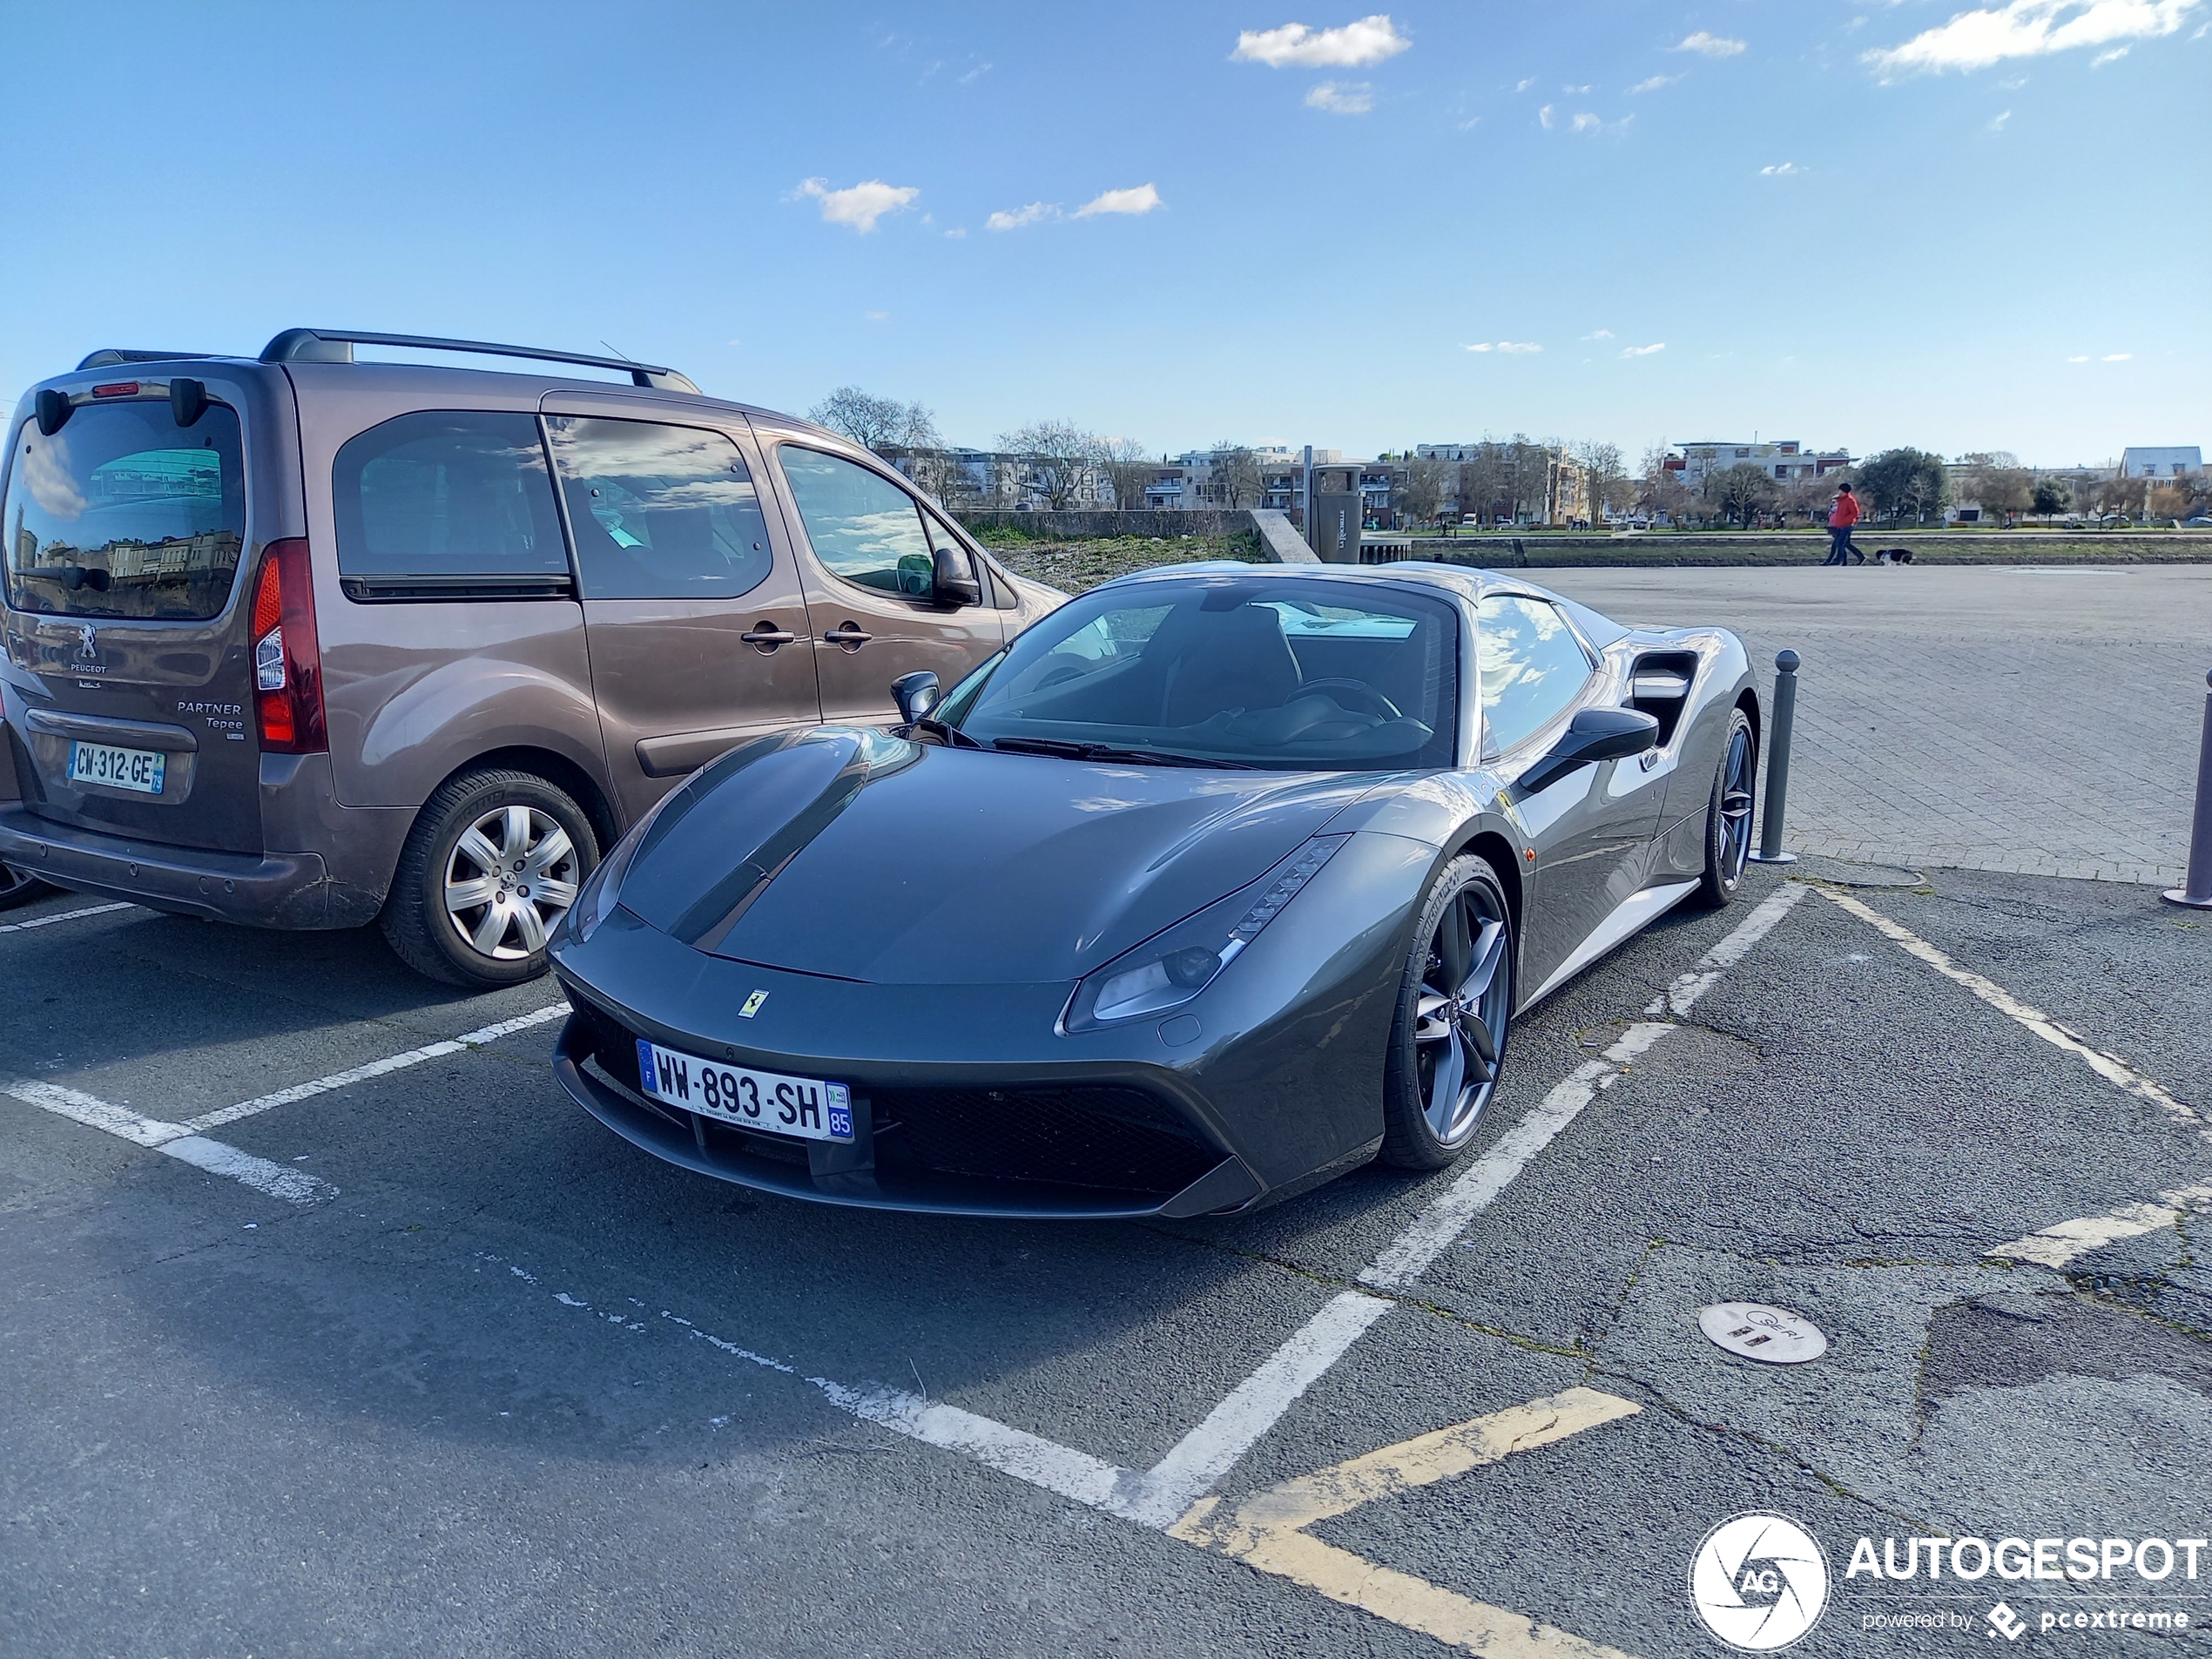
1532, 668
863, 527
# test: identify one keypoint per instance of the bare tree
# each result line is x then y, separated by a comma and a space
1741, 491
1060, 458
1235, 472
1425, 483
1129, 467
1606, 479
873, 423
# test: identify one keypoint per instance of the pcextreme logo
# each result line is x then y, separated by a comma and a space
1759, 1581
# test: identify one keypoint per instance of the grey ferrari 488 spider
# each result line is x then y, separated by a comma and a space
1217, 882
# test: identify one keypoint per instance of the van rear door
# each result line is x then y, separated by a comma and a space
129, 695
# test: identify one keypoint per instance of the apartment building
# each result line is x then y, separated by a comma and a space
1785, 459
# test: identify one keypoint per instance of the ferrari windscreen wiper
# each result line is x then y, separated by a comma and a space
1069, 749
951, 736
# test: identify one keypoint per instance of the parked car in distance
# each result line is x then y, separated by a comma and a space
300, 641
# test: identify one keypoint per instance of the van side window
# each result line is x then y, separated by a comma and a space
447, 497
862, 526
659, 512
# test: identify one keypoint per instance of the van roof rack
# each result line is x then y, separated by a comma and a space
336, 345
115, 357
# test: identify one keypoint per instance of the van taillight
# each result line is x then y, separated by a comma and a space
288, 660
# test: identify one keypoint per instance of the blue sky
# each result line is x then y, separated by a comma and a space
1853, 225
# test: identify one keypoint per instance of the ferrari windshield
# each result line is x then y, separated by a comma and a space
1272, 672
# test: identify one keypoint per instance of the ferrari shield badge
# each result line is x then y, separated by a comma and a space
752, 1005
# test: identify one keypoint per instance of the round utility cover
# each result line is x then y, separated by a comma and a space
1754, 1331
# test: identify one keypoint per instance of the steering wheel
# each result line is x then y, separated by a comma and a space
1369, 700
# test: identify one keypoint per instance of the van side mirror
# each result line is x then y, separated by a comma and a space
915, 694
955, 583
1593, 735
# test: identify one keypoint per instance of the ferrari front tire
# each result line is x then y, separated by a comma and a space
1455, 1004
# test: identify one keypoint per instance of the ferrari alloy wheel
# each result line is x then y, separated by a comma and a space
1728, 814
1447, 1046
494, 863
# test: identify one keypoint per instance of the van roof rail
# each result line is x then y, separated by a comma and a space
336, 345
114, 357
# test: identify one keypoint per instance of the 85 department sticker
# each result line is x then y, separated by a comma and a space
1759, 1581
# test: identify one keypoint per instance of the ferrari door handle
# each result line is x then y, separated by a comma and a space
849, 635
765, 637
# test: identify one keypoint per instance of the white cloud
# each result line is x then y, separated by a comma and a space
1573, 89
2112, 56
1655, 82
737, 342
2013, 83
1004, 220
1599, 333
975, 74
1508, 346
2082, 358
1642, 351
2028, 29
1342, 97
1294, 45
1586, 122
860, 205
958, 233
877, 316
1784, 170
1523, 87
2118, 356
1710, 44
1544, 115
1997, 122
1139, 199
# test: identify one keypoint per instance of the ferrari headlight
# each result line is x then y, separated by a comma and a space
602, 887
1172, 967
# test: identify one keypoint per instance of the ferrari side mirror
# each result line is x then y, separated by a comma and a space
915, 694
1593, 735
955, 583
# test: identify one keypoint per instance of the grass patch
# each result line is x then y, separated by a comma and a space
1074, 567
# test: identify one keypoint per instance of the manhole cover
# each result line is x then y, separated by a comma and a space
1754, 1331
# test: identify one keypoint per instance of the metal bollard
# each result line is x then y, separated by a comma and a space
2197, 892
1777, 760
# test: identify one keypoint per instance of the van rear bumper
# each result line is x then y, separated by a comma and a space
264, 890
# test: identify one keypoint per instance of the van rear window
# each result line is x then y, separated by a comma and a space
123, 513
448, 503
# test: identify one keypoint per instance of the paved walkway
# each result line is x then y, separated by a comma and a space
2043, 722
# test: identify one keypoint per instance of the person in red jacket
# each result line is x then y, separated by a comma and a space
1841, 518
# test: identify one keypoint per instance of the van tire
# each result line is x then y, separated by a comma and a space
426, 936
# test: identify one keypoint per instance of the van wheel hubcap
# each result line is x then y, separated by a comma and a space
512, 876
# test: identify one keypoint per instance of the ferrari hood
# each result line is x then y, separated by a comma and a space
845, 853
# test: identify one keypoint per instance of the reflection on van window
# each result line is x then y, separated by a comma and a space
660, 512
440, 493
123, 513
864, 528
1531, 665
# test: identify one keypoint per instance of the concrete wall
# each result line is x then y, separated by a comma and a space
1079, 525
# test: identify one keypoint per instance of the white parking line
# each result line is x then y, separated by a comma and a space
61, 915
2057, 1246
175, 1140
2111, 1067
1157, 1497
375, 1069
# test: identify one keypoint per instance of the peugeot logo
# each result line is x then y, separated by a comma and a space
88, 645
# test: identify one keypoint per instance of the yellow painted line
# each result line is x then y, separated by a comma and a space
1267, 1530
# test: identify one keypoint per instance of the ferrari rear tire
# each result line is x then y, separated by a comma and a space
1447, 1044
1728, 814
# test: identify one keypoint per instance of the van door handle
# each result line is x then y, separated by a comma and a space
765, 637
848, 635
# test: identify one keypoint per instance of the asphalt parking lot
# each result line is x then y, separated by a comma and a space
420, 1359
